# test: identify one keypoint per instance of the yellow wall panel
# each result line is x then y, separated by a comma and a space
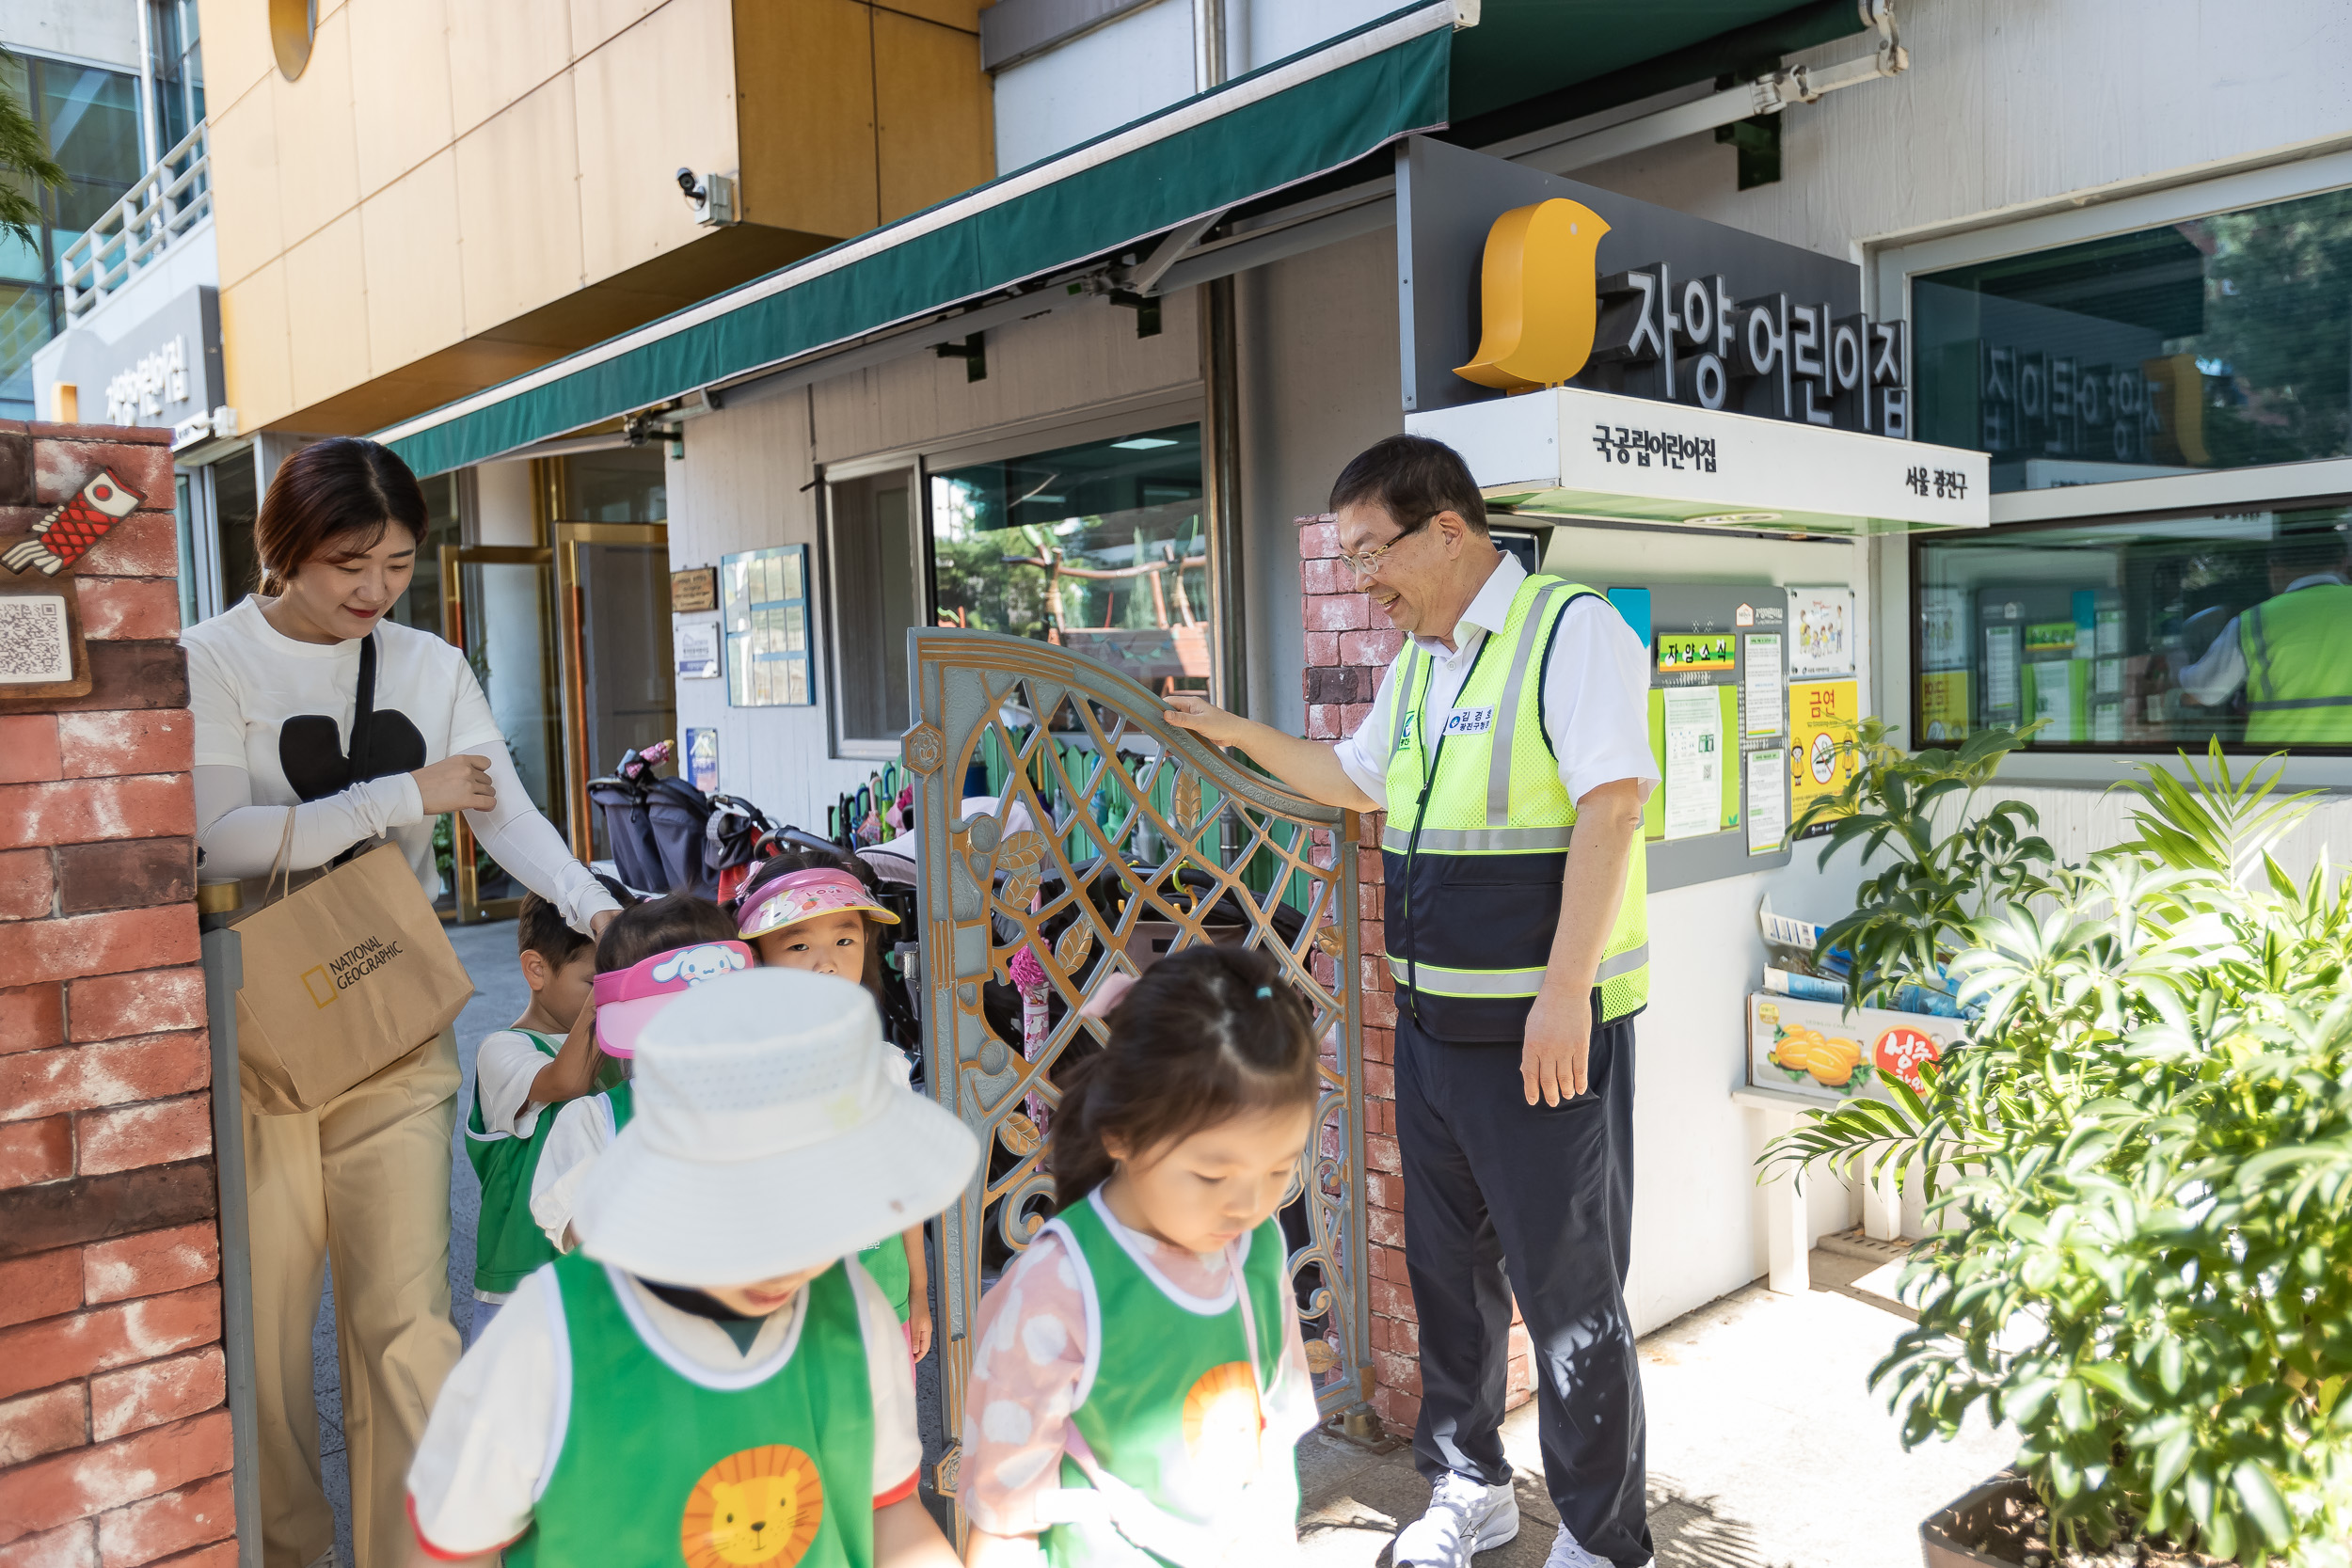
518, 208
952, 13
237, 54
937, 132
804, 98
500, 50
660, 97
399, 85
318, 158
326, 317
256, 360
244, 184
596, 21
415, 303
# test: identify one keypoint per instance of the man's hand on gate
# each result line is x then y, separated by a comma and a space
1559, 1044
1206, 720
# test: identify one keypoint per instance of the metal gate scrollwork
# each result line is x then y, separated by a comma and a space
1061, 818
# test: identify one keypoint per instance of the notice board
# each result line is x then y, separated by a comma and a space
1718, 719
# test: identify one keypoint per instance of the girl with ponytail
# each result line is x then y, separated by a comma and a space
1138, 1381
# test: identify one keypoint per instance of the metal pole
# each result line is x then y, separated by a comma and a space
1208, 44
1220, 462
224, 973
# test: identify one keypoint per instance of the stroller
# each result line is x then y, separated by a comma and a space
655, 825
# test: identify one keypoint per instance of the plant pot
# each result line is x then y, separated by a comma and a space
1942, 1532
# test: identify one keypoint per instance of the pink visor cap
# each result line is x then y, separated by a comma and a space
626, 999
804, 896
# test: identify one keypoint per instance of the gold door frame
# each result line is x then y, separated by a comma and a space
1183, 846
470, 908
572, 658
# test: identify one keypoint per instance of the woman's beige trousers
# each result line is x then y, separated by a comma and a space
363, 1181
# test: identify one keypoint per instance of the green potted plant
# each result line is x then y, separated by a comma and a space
2142, 1169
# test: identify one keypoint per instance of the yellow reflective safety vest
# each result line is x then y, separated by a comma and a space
2299, 668
1477, 839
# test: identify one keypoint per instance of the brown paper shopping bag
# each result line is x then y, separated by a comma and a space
343, 976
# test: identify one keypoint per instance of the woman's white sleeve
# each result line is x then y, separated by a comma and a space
238, 838
524, 843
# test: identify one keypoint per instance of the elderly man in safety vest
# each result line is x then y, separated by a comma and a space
2293, 652
1509, 745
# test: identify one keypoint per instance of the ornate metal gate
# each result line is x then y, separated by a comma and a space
1107, 837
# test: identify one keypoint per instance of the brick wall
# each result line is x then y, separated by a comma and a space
1348, 645
114, 1430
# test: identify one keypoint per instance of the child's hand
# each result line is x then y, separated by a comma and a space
919, 1330
573, 1073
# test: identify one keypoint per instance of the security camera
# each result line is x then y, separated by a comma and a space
712, 196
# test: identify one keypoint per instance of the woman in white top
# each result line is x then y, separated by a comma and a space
365, 1177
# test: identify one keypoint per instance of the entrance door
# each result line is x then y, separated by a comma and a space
612, 641
495, 603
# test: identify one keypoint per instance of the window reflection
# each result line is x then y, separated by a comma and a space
2214, 343
2148, 632
1102, 548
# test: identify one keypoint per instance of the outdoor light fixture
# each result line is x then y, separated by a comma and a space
1735, 519
1143, 443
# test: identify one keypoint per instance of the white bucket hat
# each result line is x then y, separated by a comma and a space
773, 1131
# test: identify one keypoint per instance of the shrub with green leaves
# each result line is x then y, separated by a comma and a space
1910, 918
2142, 1167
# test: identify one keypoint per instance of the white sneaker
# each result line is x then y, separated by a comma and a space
1465, 1517
1566, 1553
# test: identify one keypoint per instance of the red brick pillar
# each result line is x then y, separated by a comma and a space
1348, 647
114, 1434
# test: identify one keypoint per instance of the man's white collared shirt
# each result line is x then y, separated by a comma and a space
1595, 692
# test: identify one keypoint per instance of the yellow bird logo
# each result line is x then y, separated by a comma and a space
1537, 305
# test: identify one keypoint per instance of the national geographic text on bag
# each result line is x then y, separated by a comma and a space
343, 976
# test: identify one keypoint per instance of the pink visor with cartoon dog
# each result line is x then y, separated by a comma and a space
804, 896
626, 999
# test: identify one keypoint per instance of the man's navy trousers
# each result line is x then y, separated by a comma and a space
1505, 1199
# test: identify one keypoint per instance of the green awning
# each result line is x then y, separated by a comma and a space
1276, 127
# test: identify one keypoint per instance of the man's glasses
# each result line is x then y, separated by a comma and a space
1367, 564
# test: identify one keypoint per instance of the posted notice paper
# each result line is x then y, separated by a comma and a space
1694, 761
1768, 803
1763, 687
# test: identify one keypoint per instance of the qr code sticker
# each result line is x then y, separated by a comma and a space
33, 645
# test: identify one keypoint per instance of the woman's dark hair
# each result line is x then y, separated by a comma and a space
658, 924
540, 929
790, 859
332, 501
1412, 479
1206, 1035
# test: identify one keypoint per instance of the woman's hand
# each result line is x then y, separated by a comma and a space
599, 921
460, 783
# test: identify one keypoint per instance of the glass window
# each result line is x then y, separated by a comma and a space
235, 504
90, 118
625, 484
2147, 633
2217, 343
420, 607
1100, 547
876, 586
763, 605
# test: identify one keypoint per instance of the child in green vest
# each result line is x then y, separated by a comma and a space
651, 953
548, 1057
1138, 1381
711, 1380
804, 910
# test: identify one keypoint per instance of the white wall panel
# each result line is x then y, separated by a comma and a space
1097, 82
2017, 102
